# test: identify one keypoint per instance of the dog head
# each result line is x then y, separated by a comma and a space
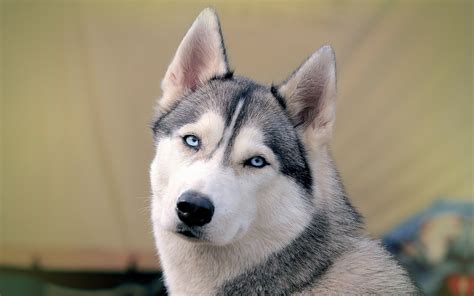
232, 155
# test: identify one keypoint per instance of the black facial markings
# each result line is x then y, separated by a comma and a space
184, 111
233, 108
303, 175
237, 96
245, 96
259, 109
224, 51
280, 99
292, 158
235, 131
228, 110
211, 154
279, 134
283, 140
157, 127
227, 76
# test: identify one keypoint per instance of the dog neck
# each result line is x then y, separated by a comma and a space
300, 263
192, 268
289, 270
265, 261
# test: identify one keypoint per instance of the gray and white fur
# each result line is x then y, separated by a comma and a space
246, 197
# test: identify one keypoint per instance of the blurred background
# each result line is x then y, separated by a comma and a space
79, 80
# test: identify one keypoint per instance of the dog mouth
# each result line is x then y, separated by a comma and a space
189, 232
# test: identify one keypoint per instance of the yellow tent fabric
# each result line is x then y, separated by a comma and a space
80, 78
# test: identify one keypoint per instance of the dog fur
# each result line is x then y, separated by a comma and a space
286, 228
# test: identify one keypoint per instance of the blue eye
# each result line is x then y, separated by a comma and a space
191, 141
257, 162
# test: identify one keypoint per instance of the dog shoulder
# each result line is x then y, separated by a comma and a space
365, 269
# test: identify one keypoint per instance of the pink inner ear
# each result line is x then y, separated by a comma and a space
195, 60
308, 96
199, 56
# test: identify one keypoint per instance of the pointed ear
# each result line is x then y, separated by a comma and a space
310, 93
200, 56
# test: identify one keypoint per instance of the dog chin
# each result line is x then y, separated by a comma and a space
192, 234
200, 235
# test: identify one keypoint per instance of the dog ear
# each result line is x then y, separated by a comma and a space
310, 93
199, 57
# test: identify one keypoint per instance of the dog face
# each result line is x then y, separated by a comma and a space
232, 155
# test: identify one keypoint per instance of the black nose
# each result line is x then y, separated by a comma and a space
194, 208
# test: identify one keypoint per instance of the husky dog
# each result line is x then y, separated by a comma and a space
246, 197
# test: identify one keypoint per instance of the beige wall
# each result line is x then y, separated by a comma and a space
80, 78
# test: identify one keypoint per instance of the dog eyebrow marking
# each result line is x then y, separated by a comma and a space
228, 132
